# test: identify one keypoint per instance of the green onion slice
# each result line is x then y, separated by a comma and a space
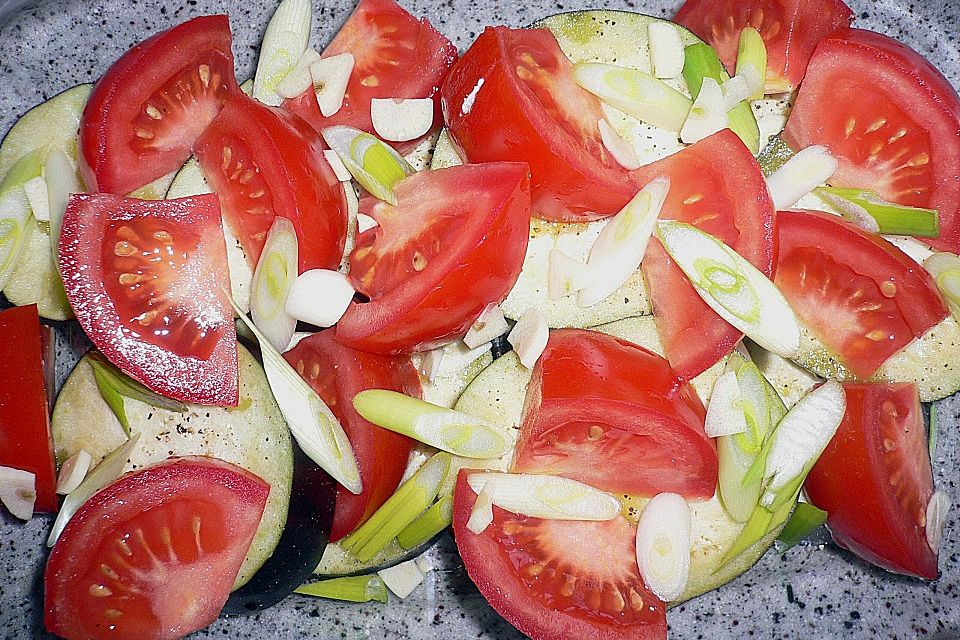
373, 163
348, 589
114, 386
944, 267
752, 61
543, 496
805, 519
884, 217
286, 38
272, 281
428, 524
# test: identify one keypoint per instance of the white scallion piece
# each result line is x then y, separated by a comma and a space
725, 412
800, 175
708, 114
402, 578
299, 79
565, 275
735, 90
663, 545
339, 170
103, 474
734, 288
296, 339
14, 212
944, 267
374, 164
546, 497
285, 40
529, 336
330, 79
481, 515
617, 252
18, 492
936, 515
313, 425
634, 92
622, 150
666, 49
752, 61
850, 211
399, 120
73, 471
36, 190
273, 281
491, 324
61, 175
430, 363
320, 297
365, 223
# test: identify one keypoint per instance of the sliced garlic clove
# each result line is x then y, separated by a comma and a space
36, 190
529, 337
481, 516
735, 90
73, 471
565, 275
936, 516
491, 324
663, 545
339, 169
18, 492
402, 578
399, 120
299, 79
365, 223
430, 363
330, 78
666, 49
319, 297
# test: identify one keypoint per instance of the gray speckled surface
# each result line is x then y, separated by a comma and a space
813, 590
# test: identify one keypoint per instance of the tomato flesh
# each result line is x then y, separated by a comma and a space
149, 108
890, 118
558, 579
613, 415
874, 479
860, 295
154, 555
337, 373
146, 280
395, 56
790, 30
454, 244
512, 97
263, 162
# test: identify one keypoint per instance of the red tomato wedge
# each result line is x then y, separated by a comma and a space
396, 56
891, 119
149, 108
512, 97
556, 579
874, 479
791, 30
146, 280
453, 245
25, 441
264, 163
717, 186
861, 296
154, 555
337, 373
613, 415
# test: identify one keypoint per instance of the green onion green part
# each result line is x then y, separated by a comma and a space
752, 60
109, 394
805, 519
114, 386
428, 524
373, 163
893, 219
348, 589
23, 170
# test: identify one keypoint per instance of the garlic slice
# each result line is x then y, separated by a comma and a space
330, 79
529, 337
299, 79
491, 324
936, 515
430, 363
319, 297
565, 275
735, 90
482, 513
365, 222
339, 169
725, 412
73, 471
663, 545
398, 120
402, 578
18, 491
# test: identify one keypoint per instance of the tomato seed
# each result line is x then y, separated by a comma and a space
100, 591
204, 72
154, 113
370, 81
419, 261
636, 600
124, 249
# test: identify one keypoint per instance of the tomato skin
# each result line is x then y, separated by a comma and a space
469, 225
881, 439
790, 29
822, 257
379, 33
274, 166
337, 373
25, 441
906, 154
520, 597
113, 157
651, 436
168, 329
210, 510
573, 177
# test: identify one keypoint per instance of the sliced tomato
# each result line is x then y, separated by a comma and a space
613, 415
861, 296
512, 97
717, 186
154, 555
337, 373
890, 118
149, 108
874, 479
558, 579
146, 280
790, 29
454, 244
395, 56
25, 441
263, 163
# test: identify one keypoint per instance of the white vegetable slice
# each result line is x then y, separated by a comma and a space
36, 191
850, 211
424, 563
725, 412
336, 164
800, 175
936, 515
734, 288
14, 212
491, 324
616, 254
374, 164
273, 281
708, 114
402, 578
285, 40
365, 222
18, 492
399, 120
529, 337
61, 175
73, 471
320, 297
635, 93
299, 79
735, 90
565, 275
944, 267
666, 49
621, 149
430, 363
296, 339
663, 545
330, 78
481, 515
545, 497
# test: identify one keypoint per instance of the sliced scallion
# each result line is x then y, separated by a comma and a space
348, 589
23, 171
890, 218
805, 519
752, 61
62, 181
544, 496
14, 212
634, 92
272, 282
114, 386
708, 115
805, 171
663, 545
374, 164
725, 411
286, 38
428, 524
944, 267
